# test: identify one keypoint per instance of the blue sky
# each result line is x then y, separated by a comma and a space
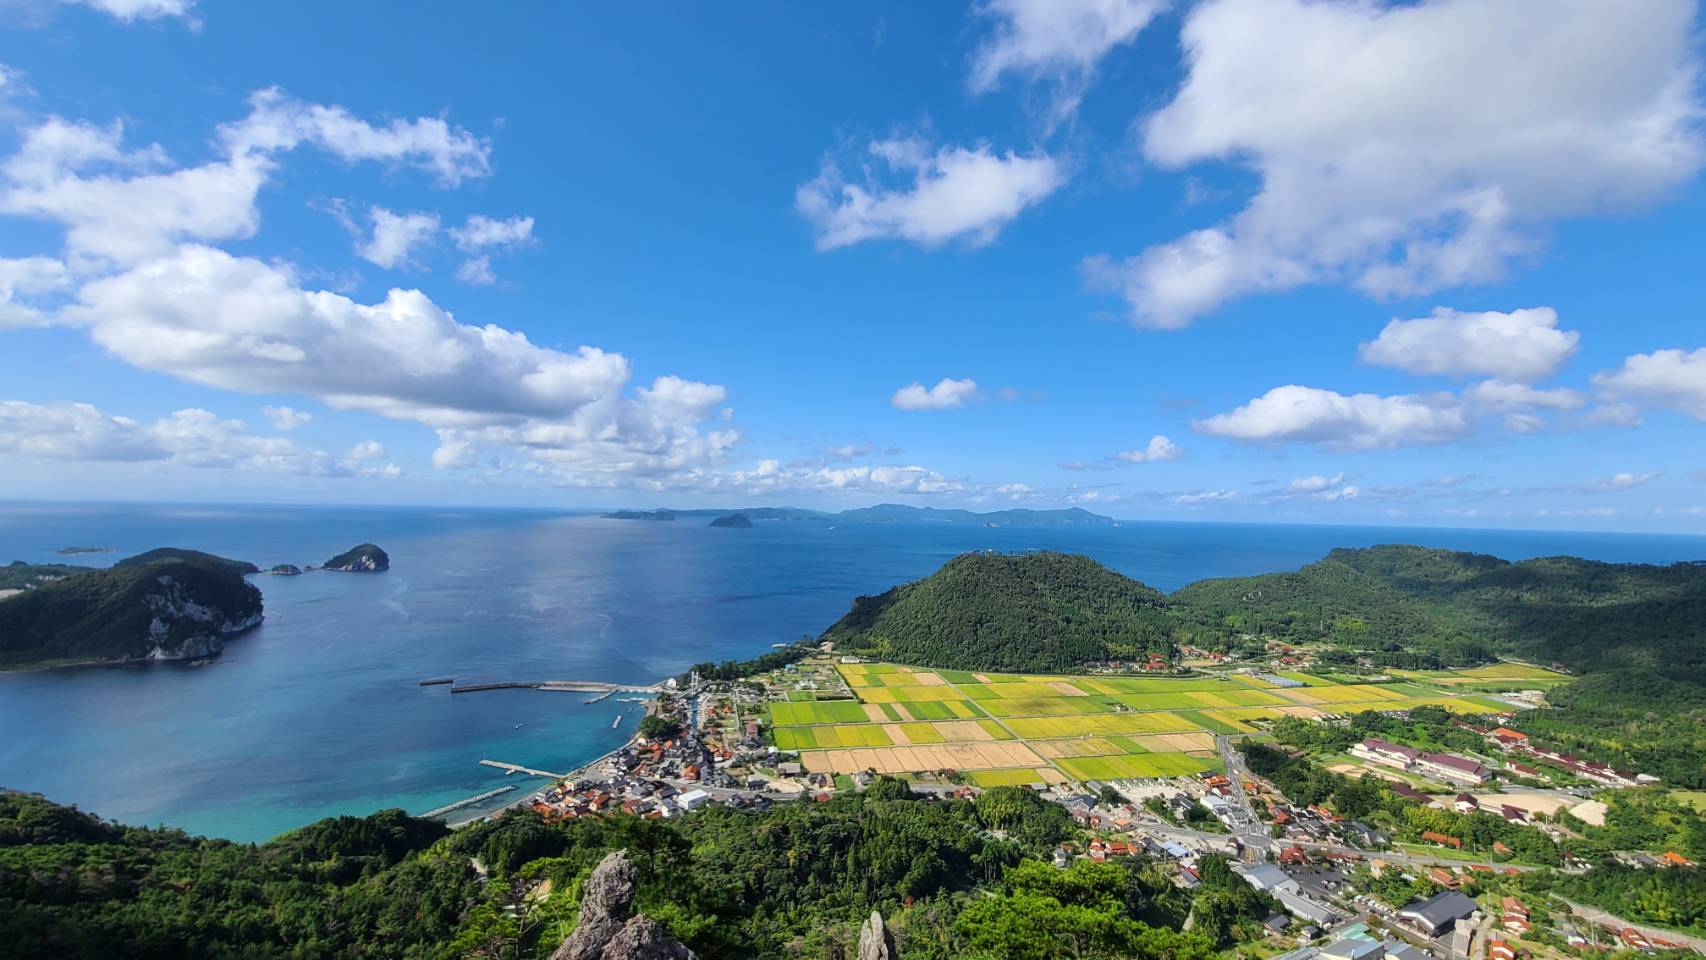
1428, 263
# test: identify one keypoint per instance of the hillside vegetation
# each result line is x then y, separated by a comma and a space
1021, 612
179, 605
1635, 633
958, 879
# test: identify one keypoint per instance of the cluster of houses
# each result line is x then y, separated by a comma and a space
1272, 880
651, 799
1441, 766
1515, 741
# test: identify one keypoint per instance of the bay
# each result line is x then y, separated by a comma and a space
319, 711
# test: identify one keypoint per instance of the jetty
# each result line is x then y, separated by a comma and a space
468, 802
518, 768
435, 681
562, 686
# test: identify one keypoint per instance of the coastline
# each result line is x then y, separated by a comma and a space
575, 774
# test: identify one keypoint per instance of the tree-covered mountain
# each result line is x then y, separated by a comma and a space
992, 611
158, 554
1635, 633
178, 605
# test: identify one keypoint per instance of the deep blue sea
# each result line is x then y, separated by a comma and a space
319, 712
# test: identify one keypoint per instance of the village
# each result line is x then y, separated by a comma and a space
1343, 889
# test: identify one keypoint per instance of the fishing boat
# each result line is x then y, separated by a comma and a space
616, 722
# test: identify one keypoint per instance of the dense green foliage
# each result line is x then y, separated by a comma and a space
1648, 719
763, 663
124, 612
19, 575
794, 880
158, 554
1671, 898
989, 611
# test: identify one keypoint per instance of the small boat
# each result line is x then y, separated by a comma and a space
518, 726
616, 722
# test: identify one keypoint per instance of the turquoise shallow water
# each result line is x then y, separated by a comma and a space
319, 712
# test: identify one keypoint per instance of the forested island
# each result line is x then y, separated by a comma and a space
166, 604
363, 558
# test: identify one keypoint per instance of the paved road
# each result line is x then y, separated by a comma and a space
1261, 841
1596, 915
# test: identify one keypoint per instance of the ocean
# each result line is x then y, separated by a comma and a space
319, 711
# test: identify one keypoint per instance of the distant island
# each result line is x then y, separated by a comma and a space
888, 513
166, 604
736, 520
365, 558
285, 570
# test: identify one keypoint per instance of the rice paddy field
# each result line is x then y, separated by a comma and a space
1003, 729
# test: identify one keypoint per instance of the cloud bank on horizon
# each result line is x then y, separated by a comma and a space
1358, 247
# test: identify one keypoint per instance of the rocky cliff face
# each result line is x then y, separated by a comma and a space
181, 628
608, 928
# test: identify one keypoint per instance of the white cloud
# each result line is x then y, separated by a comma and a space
482, 233
278, 122
368, 450
1669, 379
1521, 346
1498, 395
286, 418
477, 271
22, 277
1206, 496
395, 236
192, 437
1158, 450
849, 451
1058, 41
129, 11
124, 206
1333, 488
947, 394
1373, 169
941, 194
1624, 481
1362, 421
239, 324
769, 476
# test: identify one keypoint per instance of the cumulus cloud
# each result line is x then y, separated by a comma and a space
394, 237
286, 418
235, 323
926, 195
20, 279
1318, 487
1668, 379
123, 206
1055, 41
772, 475
481, 234
947, 394
192, 437
1205, 496
1159, 449
1521, 346
1497, 395
1334, 421
1372, 170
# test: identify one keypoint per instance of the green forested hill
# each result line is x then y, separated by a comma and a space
178, 607
991, 611
958, 879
